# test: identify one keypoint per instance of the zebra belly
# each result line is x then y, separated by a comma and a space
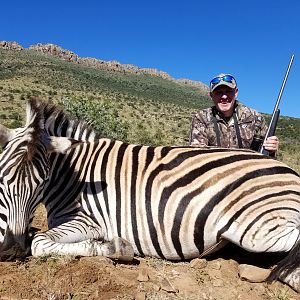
171, 239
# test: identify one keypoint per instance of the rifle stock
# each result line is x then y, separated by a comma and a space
271, 131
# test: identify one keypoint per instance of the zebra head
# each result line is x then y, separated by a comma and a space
24, 171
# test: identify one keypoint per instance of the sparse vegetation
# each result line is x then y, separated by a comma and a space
137, 109
140, 109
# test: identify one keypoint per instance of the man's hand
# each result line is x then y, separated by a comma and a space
271, 144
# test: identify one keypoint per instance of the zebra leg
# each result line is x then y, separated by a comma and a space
292, 279
66, 239
288, 270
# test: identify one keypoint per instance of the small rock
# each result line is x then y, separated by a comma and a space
198, 263
216, 265
253, 273
166, 286
143, 275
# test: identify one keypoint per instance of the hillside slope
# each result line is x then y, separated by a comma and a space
121, 101
147, 106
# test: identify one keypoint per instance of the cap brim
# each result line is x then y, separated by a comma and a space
232, 85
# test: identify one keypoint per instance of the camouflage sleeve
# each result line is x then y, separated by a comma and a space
261, 126
198, 132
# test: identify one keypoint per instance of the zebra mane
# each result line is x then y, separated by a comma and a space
34, 120
58, 122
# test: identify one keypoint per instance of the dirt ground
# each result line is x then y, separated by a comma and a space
216, 277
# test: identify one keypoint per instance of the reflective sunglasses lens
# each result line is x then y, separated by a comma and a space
215, 80
228, 78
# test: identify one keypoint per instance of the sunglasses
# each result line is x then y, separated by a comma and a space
227, 78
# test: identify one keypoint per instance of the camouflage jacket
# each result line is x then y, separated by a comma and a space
210, 129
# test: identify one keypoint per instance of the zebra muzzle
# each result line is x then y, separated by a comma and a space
14, 246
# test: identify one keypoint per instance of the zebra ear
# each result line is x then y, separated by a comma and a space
6, 135
62, 144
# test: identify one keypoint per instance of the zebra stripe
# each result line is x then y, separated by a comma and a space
109, 198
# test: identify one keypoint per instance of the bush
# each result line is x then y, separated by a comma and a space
100, 115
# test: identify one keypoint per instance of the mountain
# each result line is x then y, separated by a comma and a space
142, 105
122, 101
115, 66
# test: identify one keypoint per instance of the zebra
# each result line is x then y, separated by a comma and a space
24, 161
106, 197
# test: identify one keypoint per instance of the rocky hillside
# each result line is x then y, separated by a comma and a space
136, 105
114, 65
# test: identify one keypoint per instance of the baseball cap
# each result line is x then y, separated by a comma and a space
222, 79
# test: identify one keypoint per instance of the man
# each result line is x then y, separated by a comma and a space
229, 123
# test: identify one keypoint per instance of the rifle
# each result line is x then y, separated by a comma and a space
276, 111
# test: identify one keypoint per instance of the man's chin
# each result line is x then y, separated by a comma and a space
224, 108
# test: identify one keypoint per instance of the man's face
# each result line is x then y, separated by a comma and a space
224, 99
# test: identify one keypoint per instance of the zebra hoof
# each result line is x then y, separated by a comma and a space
122, 250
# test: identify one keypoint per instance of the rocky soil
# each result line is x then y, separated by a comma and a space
214, 278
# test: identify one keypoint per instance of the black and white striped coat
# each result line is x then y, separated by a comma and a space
109, 198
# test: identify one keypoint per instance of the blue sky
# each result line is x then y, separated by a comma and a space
253, 40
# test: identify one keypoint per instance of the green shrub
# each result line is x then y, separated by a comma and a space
101, 115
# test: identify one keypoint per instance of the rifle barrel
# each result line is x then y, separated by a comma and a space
278, 101
284, 82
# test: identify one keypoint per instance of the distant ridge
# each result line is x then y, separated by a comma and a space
57, 51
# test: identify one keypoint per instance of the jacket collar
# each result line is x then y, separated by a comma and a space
240, 111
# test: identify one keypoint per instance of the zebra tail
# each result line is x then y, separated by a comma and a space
287, 265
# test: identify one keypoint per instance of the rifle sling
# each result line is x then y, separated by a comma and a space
237, 131
217, 131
